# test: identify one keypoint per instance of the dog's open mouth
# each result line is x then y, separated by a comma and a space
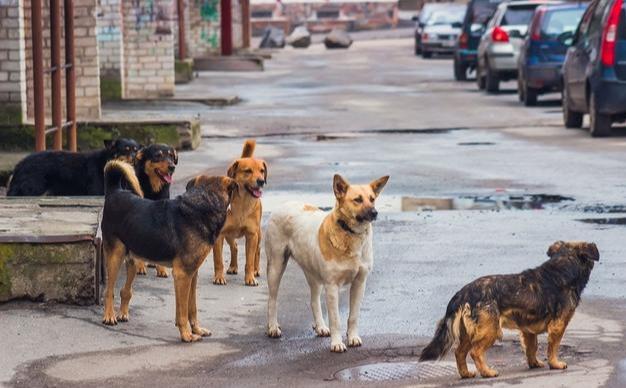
167, 178
256, 192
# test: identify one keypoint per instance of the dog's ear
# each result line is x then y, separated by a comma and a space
139, 155
589, 251
231, 185
555, 247
340, 186
232, 170
108, 143
378, 185
175, 156
265, 171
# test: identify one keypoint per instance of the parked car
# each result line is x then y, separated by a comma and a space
442, 29
543, 54
420, 22
500, 44
594, 72
476, 17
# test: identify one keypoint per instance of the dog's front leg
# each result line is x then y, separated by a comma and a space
196, 328
252, 244
218, 261
556, 329
182, 288
332, 305
357, 289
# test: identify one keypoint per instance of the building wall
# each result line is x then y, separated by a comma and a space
204, 36
148, 48
12, 66
110, 38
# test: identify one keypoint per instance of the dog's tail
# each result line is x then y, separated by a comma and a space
248, 148
447, 331
116, 173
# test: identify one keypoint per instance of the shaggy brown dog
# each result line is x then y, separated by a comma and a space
244, 217
536, 301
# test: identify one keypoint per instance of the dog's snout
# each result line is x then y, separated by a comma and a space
260, 182
171, 167
373, 214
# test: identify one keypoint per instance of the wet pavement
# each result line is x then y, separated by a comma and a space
479, 185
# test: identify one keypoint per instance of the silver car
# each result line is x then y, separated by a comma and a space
442, 29
501, 42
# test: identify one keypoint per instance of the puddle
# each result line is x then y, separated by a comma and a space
393, 371
399, 203
418, 131
601, 209
476, 143
605, 221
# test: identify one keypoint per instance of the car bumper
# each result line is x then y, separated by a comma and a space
611, 97
466, 56
502, 57
438, 47
545, 76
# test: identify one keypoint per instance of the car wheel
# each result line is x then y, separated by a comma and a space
480, 80
426, 54
599, 124
460, 70
492, 82
418, 51
530, 95
571, 119
520, 90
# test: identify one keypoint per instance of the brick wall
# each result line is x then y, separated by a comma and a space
86, 58
148, 48
12, 67
204, 23
109, 38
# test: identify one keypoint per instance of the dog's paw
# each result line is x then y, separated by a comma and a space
489, 373
123, 317
558, 365
141, 270
109, 319
232, 270
355, 341
161, 272
219, 280
322, 330
257, 274
468, 375
201, 331
535, 364
338, 347
190, 337
273, 331
251, 281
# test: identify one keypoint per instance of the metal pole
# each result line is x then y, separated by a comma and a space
226, 26
38, 96
55, 56
70, 74
182, 50
245, 22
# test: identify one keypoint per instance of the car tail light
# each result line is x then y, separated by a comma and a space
609, 35
424, 36
535, 28
463, 40
500, 35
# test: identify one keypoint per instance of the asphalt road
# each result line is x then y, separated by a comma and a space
369, 111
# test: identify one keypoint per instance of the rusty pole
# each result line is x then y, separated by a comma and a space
55, 61
70, 75
226, 26
182, 49
245, 22
38, 96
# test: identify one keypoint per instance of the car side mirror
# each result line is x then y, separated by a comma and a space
566, 38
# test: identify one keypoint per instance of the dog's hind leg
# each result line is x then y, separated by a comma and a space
114, 252
316, 308
465, 344
161, 271
257, 257
233, 268
332, 305
529, 344
182, 287
218, 262
127, 291
485, 334
193, 310
556, 329
140, 265
276, 264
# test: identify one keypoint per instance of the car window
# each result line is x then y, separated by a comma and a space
518, 16
559, 21
583, 27
445, 17
595, 25
482, 11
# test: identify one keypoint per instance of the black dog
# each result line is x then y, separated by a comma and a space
178, 233
68, 173
536, 301
154, 166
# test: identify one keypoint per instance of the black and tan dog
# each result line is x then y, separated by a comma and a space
68, 173
244, 217
536, 301
178, 233
154, 166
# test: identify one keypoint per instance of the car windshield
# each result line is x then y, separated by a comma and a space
518, 16
558, 22
482, 11
426, 11
448, 16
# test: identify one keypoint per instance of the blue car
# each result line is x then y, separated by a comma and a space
542, 54
594, 72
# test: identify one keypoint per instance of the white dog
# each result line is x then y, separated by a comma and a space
333, 249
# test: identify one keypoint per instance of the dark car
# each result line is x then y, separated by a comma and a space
476, 17
542, 55
594, 72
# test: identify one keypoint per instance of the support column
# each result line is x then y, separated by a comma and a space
226, 27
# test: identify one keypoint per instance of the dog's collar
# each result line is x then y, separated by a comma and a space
344, 225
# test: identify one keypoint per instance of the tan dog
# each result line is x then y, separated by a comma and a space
244, 217
333, 249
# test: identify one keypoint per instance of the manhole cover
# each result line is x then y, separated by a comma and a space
388, 371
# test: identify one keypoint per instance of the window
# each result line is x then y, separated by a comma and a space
518, 16
328, 14
261, 14
557, 22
